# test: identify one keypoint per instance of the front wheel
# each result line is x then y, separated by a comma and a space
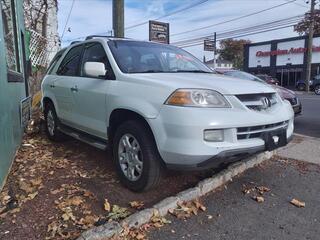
51, 122
136, 156
317, 89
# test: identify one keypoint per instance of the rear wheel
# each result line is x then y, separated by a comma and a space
52, 122
317, 89
301, 87
136, 156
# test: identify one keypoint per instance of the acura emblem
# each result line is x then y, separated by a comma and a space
266, 103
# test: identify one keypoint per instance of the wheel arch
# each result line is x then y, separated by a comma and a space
119, 116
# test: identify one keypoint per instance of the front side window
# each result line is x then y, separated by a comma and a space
70, 64
94, 52
10, 34
146, 57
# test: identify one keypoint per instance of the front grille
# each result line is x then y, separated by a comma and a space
257, 131
293, 101
258, 102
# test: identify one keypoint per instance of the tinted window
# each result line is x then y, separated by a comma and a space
10, 34
144, 57
94, 52
71, 62
54, 61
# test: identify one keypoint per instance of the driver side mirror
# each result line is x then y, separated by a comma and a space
95, 69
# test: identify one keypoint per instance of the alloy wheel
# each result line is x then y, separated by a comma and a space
130, 157
50, 123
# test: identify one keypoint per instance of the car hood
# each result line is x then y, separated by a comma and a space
223, 84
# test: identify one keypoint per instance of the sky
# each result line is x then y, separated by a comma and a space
95, 17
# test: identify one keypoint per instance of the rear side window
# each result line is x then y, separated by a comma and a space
70, 64
54, 62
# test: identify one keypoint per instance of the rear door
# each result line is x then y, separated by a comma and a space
90, 99
63, 84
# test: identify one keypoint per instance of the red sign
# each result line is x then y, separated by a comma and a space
285, 52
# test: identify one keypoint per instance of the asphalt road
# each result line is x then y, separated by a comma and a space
309, 122
236, 216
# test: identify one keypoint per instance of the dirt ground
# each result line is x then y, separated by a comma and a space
57, 190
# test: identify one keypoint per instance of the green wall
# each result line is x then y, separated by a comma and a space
11, 93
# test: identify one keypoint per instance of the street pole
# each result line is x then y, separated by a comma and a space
310, 45
118, 18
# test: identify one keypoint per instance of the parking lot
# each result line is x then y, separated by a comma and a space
58, 190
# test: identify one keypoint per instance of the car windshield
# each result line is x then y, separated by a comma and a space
243, 75
147, 57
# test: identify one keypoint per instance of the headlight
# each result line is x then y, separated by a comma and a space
197, 98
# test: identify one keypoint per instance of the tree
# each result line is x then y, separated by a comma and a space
232, 50
303, 26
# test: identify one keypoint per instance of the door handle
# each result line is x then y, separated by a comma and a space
74, 89
52, 85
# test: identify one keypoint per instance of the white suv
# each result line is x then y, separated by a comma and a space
157, 106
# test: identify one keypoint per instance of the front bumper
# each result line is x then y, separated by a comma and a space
179, 133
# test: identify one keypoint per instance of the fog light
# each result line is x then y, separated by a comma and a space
213, 135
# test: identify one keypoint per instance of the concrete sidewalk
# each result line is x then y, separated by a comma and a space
303, 148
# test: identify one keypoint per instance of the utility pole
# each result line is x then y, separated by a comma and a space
118, 18
310, 45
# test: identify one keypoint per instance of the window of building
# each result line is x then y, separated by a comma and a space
70, 64
10, 34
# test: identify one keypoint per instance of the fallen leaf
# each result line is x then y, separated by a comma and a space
26, 187
297, 203
36, 182
259, 199
263, 189
75, 201
199, 205
136, 204
118, 213
68, 214
106, 205
32, 195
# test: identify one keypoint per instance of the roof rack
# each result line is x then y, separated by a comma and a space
103, 36
74, 42
94, 36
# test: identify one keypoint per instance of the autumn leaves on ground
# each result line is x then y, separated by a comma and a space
58, 190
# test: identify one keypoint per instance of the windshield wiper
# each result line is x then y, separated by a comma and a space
192, 71
149, 71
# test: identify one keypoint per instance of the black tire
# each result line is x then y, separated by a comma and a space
317, 89
55, 134
301, 87
152, 166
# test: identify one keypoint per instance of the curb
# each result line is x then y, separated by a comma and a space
306, 136
205, 186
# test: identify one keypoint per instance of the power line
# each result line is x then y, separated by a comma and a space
65, 26
252, 29
233, 19
293, 19
241, 35
146, 22
168, 14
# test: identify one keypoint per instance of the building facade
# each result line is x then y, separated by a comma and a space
284, 59
14, 103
